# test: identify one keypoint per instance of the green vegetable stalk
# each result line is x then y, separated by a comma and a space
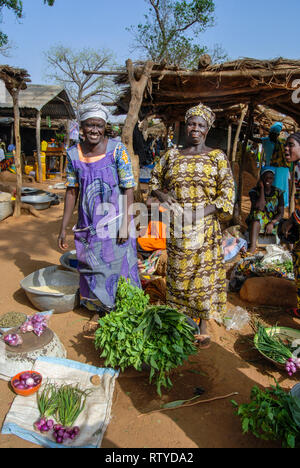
136, 334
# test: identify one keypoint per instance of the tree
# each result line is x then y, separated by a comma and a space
16, 6
171, 28
66, 66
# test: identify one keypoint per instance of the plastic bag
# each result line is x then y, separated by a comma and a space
236, 319
276, 253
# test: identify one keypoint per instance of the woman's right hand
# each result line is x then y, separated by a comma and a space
165, 199
261, 185
61, 241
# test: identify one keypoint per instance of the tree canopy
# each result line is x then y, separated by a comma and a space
65, 66
16, 6
171, 28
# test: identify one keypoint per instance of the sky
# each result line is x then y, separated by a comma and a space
262, 29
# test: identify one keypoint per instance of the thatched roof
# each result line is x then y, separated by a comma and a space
14, 77
171, 91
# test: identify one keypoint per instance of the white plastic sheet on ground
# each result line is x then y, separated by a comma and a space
93, 421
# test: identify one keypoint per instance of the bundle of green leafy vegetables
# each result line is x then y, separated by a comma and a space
136, 333
272, 346
269, 416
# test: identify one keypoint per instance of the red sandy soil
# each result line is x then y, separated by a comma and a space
230, 365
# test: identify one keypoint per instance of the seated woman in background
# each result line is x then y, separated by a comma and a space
267, 207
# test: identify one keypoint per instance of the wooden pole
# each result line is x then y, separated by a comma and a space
237, 135
292, 195
137, 94
251, 73
38, 147
15, 98
243, 157
229, 137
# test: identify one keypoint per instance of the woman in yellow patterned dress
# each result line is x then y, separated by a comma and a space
200, 181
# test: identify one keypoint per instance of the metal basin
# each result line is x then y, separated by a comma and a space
39, 202
51, 276
30, 191
68, 261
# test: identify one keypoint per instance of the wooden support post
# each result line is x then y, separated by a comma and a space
137, 94
15, 98
237, 135
229, 137
38, 147
243, 157
292, 195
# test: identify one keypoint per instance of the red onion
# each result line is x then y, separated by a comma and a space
13, 339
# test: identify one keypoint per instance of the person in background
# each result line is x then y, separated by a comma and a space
115, 133
2, 144
99, 172
11, 148
292, 153
282, 167
201, 178
274, 156
270, 141
267, 207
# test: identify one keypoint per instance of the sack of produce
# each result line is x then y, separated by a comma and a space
270, 291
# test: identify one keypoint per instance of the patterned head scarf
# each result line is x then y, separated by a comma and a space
93, 110
201, 111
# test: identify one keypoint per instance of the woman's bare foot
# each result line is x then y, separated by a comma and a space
203, 340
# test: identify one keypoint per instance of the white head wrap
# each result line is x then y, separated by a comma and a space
93, 110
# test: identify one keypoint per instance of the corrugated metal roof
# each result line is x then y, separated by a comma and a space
51, 100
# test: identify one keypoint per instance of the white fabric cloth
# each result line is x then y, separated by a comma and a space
2, 155
94, 419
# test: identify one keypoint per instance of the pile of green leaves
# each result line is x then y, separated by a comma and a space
136, 334
269, 416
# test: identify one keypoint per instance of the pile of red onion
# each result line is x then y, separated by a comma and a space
27, 381
12, 339
60, 433
36, 324
292, 366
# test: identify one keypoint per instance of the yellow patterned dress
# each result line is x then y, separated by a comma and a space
196, 279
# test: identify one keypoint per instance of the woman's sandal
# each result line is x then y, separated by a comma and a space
203, 341
92, 325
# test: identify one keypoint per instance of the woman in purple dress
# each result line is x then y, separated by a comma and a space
99, 172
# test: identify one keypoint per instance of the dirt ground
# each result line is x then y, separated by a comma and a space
230, 365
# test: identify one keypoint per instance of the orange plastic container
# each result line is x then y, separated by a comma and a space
29, 391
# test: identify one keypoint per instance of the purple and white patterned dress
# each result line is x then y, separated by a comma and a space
101, 260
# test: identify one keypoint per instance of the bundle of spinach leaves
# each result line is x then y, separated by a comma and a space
269, 416
136, 334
